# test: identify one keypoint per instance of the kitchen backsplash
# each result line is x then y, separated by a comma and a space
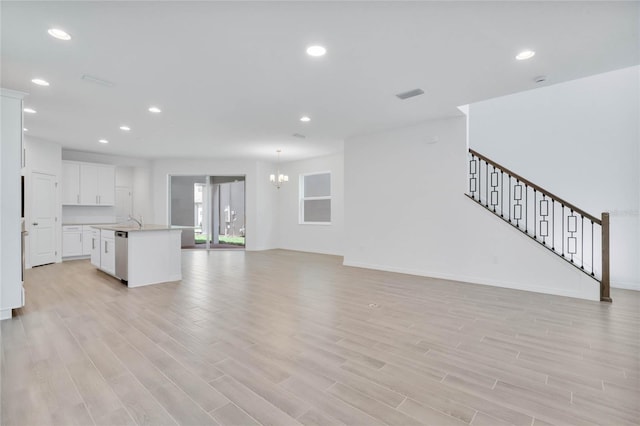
88, 214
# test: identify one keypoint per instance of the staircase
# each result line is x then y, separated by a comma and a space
566, 230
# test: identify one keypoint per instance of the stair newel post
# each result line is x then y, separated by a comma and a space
604, 282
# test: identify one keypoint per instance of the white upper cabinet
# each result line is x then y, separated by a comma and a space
106, 185
70, 183
88, 184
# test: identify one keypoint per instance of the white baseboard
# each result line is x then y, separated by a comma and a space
5, 314
84, 256
477, 280
626, 285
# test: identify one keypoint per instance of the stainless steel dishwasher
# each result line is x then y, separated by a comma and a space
122, 255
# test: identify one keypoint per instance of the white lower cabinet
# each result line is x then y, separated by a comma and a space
108, 251
86, 240
95, 248
71, 240
77, 240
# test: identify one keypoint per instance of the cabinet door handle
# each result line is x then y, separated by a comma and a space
93, 243
81, 237
35, 224
78, 198
106, 250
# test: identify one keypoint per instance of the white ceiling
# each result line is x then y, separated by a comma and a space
233, 78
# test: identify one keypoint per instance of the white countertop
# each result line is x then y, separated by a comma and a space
126, 227
88, 224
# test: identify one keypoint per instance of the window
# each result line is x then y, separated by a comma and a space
315, 198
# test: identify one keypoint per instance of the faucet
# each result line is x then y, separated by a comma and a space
139, 222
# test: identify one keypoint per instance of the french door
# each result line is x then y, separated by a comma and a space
209, 209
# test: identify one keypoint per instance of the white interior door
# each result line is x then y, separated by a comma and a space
42, 227
123, 203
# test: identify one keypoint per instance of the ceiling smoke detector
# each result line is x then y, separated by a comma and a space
410, 94
96, 80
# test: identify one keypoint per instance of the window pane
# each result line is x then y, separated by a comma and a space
317, 210
317, 185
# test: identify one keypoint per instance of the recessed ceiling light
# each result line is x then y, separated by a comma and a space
305, 119
525, 54
154, 109
125, 128
316, 51
40, 82
24, 129
29, 110
59, 34
103, 141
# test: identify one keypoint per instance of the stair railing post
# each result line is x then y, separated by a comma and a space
604, 282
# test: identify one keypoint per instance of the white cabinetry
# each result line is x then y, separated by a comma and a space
106, 185
152, 256
107, 251
71, 240
70, 183
77, 240
95, 247
87, 243
11, 292
88, 184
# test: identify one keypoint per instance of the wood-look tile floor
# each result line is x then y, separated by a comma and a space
284, 338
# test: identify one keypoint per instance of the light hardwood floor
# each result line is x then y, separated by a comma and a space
285, 338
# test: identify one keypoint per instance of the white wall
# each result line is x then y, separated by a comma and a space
327, 239
42, 157
261, 203
397, 177
581, 141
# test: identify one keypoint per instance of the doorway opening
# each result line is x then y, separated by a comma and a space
210, 210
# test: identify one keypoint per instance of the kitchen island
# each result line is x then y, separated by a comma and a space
137, 255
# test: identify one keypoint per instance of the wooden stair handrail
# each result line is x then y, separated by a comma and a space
536, 187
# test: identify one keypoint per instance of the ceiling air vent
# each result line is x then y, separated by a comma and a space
410, 94
96, 80
298, 135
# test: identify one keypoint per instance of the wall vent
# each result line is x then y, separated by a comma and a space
96, 80
410, 94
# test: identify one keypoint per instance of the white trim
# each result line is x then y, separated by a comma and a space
5, 314
302, 198
626, 285
16, 94
476, 280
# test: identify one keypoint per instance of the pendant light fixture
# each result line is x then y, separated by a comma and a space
278, 178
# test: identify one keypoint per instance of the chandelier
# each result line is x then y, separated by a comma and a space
278, 178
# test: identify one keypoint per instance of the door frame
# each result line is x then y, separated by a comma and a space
207, 199
28, 215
